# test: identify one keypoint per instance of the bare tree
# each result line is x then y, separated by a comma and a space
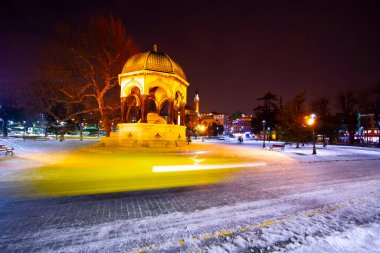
79, 74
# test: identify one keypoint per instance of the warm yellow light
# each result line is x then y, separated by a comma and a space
311, 121
105, 169
175, 168
201, 128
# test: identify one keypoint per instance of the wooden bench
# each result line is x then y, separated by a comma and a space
277, 146
6, 149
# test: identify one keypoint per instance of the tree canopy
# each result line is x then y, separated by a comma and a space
266, 111
80, 70
291, 119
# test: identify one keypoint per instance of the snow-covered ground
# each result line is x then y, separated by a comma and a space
329, 202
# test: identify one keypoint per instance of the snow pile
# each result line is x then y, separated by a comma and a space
351, 226
359, 239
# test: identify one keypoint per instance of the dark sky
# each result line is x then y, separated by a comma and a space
231, 51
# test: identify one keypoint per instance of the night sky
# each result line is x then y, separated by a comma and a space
231, 51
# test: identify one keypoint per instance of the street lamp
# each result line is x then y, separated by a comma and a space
81, 131
24, 124
311, 122
264, 122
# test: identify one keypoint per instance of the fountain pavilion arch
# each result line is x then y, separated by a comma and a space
153, 98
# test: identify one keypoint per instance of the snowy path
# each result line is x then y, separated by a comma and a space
234, 212
327, 204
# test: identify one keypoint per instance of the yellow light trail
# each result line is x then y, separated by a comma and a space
98, 169
175, 168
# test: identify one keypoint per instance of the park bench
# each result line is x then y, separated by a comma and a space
277, 146
6, 149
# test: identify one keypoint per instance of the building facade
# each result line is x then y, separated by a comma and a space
242, 125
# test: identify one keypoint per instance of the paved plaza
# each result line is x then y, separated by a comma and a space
340, 184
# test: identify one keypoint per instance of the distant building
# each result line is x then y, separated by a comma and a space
242, 124
196, 102
208, 119
195, 119
192, 116
369, 130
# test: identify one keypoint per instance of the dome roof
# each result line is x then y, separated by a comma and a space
154, 61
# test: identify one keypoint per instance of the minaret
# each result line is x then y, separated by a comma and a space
196, 101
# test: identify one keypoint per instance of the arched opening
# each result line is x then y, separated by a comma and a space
151, 105
158, 94
133, 109
131, 106
164, 110
135, 91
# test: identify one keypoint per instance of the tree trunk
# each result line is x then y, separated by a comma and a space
107, 124
5, 127
81, 131
352, 136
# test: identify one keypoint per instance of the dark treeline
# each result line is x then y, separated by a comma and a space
288, 120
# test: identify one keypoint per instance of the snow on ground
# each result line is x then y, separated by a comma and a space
31, 154
280, 224
346, 218
349, 226
364, 238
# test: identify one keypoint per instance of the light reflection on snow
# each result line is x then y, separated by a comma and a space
96, 169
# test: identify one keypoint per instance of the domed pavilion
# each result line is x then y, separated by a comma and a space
153, 98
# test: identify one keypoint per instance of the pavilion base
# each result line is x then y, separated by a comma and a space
147, 135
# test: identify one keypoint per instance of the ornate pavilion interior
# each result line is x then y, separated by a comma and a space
153, 98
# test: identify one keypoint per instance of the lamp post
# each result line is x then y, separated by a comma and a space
311, 122
81, 131
24, 133
263, 122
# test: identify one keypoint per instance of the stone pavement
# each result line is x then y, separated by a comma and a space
23, 222
22, 219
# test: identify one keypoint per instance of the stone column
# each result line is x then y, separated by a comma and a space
170, 111
175, 115
144, 109
182, 108
123, 109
